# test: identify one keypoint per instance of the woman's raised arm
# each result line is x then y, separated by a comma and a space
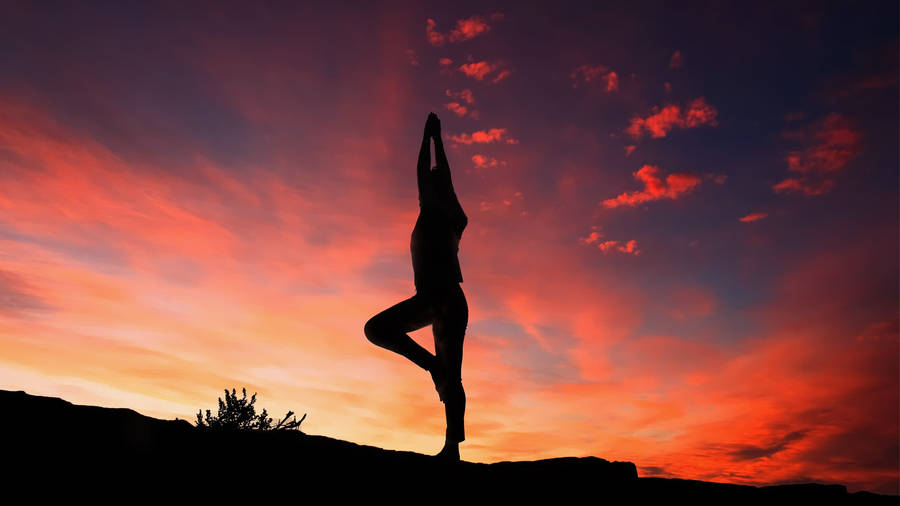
450, 205
439, 155
424, 166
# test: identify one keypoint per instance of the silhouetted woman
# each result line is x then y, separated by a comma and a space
439, 299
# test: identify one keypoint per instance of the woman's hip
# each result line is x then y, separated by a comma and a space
449, 297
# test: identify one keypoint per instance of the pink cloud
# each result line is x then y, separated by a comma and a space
465, 95
484, 137
594, 237
804, 185
833, 144
468, 29
717, 178
699, 113
483, 162
601, 73
837, 144
411, 56
465, 29
499, 77
590, 239
675, 185
445, 61
434, 37
478, 70
610, 246
676, 60
612, 81
456, 108
658, 124
753, 217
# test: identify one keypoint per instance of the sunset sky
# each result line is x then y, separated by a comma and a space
682, 246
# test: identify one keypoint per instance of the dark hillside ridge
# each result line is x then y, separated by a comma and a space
46, 439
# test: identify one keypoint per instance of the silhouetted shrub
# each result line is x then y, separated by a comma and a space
239, 414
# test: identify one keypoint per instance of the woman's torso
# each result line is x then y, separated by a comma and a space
434, 247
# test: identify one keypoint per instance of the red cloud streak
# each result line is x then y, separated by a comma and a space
753, 217
655, 188
477, 70
465, 29
484, 137
834, 143
602, 73
663, 120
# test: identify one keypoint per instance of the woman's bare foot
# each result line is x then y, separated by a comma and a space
450, 452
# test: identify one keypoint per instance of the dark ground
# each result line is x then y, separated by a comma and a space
53, 447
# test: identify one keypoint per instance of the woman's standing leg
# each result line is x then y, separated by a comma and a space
388, 329
449, 327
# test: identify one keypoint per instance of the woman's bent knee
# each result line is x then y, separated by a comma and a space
372, 329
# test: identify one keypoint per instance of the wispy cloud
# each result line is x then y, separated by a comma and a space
676, 61
464, 95
457, 108
753, 217
669, 117
411, 57
629, 247
480, 70
484, 137
595, 237
587, 73
483, 162
465, 29
832, 144
674, 186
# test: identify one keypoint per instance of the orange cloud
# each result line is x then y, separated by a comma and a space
753, 217
717, 178
612, 81
411, 56
590, 239
483, 162
655, 188
478, 70
676, 60
484, 137
629, 247
501, 76
602, 73
594, 237
663, 120
804, 185
457, 108
468, 29
465, 29
834, 143
434, 37
465, 95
